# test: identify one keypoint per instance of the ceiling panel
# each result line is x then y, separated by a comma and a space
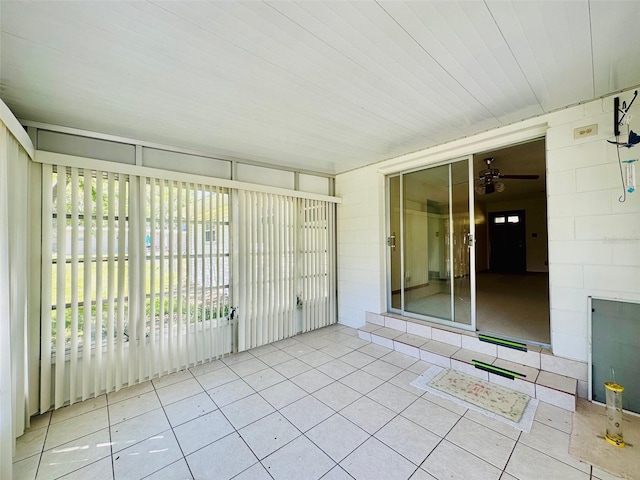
320, 86
551, 41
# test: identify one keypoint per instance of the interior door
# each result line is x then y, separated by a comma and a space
507, 237
431, 256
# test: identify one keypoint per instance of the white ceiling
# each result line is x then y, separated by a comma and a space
322, 86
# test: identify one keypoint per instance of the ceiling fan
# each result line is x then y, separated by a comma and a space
489, 183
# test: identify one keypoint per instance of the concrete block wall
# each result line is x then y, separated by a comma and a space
360, 232
594, 240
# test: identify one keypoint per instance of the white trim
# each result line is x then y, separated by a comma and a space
489, 140
159, 146
83, 162
13, 125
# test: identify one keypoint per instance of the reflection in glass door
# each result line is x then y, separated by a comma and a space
431, 275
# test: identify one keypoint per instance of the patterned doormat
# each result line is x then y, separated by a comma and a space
508, 406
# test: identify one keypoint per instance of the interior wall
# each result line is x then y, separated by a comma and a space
594, 240
536, 228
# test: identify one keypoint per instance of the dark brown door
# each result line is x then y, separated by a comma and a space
507, 234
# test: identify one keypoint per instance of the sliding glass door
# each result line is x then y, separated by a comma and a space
430, 236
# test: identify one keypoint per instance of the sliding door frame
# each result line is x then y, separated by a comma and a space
399, 242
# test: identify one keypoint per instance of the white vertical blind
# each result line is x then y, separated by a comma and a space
14, 355
286, 266
130, 291
317, 253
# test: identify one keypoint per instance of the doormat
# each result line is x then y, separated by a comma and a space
587, 441
508, 406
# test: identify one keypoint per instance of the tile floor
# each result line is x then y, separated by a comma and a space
320, 405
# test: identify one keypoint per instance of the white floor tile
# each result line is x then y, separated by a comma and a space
243, 412
76, 427
357, 358
237, 358
100, 470
483, 442
248, 367
275, 358
408, 439
367, 414
373, 459
404, 379
167, 380
375, 350
78, 409
555, 417
29, 444
230, 392
176, 471
146, 457
268, 434
282, 394
316, 358
450, 461
337, 473
399, 359
306, 413
291, 368
337, 437
422, 475
336, 350
138, 429
223, 459
74, 455
553, 443
257, 472
529, 464
133, 406
392, 397
207, 367
361, 381
337, 395
216, 378
189, 408
300, 459
264, 379
202, 431
129, 392
26, 468
382, 369
312, 380
179, 391
336, 369
431, 416
493, 424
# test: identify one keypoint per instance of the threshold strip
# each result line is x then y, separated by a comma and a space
503, 343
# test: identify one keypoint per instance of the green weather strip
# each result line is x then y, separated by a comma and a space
496, 370
504, 343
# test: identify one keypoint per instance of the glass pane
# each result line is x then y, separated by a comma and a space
461, 251
427, 272
394, 202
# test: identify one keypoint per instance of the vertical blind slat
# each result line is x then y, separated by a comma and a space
45, 302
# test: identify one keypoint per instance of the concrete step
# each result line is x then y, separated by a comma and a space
452, 349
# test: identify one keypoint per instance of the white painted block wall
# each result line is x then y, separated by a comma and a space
594, 240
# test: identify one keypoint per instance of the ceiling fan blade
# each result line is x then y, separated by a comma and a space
520, 177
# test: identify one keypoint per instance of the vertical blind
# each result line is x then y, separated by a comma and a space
14, 355
285, 270
136, 275
135, 280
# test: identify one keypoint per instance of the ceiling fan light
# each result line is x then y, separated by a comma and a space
499, 186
